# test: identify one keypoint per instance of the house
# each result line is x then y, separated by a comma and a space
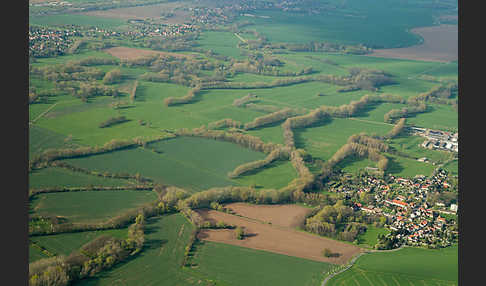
453, 207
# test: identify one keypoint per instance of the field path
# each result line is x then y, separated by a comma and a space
342, 270
44, 113
241, 38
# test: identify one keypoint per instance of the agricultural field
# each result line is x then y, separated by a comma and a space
73, 206
66, 243
266, 112
160, 262
282, 240
60, 177
173, 161
403, 267
256, 267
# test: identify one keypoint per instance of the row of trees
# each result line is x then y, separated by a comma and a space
112, 121
277, 154
397, 129
394, 114
225, 123
53, 225
340, 221
50, 155
191, 94
371, 150
97, 255
272, 118
245, 140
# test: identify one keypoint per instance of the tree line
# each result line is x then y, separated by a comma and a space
49, 155
112, 121
277, 154
341, 221
272, 118
93, 257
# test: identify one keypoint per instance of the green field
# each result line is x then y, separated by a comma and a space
274, 176
60, 177
323, 141
35, 253
41, 139
439, 117
370, 237
408, 266
160, 261
221, 43
66, 243
76, 19
234, 265
406, 167
352, 22
89, 206
452, 167
188, 162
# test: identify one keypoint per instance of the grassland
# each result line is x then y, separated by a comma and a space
406, 167
89, 206
370, 237
323, 141
35, 253
59, 177
160, 261
66, 243
255, 267
353, 22
76, 19
41, 139
192, 163
273, 176
403, 267
452, 167
222, 43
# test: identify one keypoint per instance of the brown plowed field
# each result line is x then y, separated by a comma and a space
440, 45
126, 53
281, 215
276, 239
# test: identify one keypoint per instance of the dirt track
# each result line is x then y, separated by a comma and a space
440, 45
126, 53
290, 216
276, 239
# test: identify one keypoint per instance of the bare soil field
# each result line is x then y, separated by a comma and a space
180, 16
276, 239
440, 45
290, 216
126, 53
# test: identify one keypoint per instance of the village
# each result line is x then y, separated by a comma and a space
48, 42
436, 139
417, 214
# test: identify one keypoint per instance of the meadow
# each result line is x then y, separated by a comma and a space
66, 243
60, 177
403, 267
102, 205
160, 261
354, 22
254, 267
192, 163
